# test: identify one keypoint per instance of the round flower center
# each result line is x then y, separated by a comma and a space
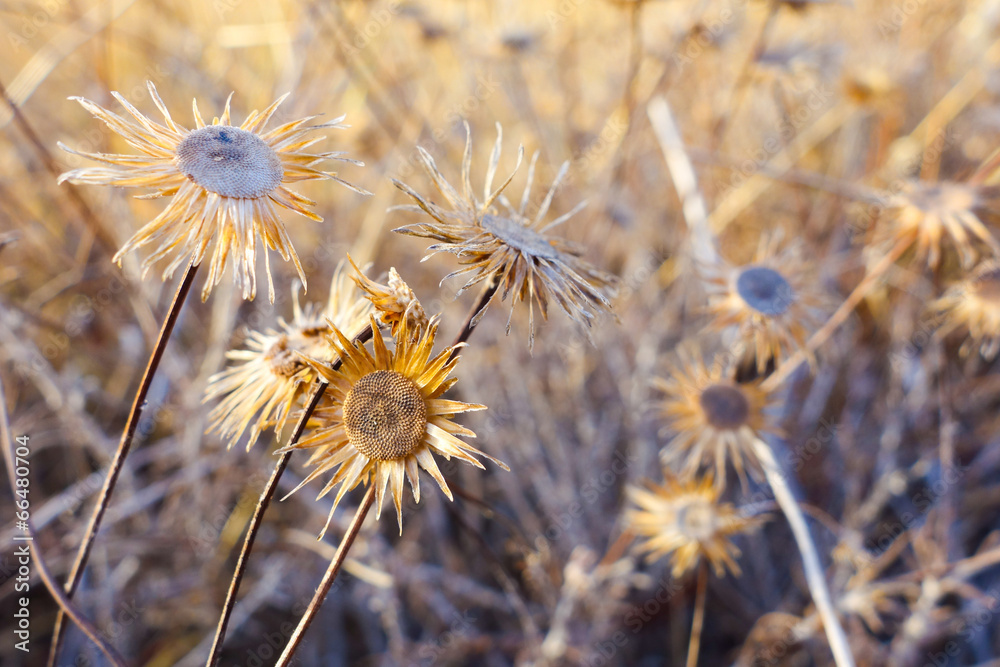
987, 286
944, 198
697, 520
230, 162
725, 406
385, 416
517, 236
765, 290
281, 359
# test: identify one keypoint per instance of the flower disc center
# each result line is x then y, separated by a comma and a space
944, 198
765, 290
385, 416
516, 235
697, 520
230, 162
725, 406
281, 359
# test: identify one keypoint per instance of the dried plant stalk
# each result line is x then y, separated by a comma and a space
685, 180
328, 577
115, 468
698, 622
263, 502
807, 548
258, 516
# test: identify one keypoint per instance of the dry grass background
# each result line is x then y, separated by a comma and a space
789, 111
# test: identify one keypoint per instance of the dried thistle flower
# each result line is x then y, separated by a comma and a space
271, 375
923, 213
394, 301
504, 243
974, 305
684, 519
713, 419
226, 184
382, 417
771, 301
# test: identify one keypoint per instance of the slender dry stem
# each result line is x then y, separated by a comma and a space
815, 578
115, 468
66, 607
776, 478
476, 312
263, 502
694, 645
328, 578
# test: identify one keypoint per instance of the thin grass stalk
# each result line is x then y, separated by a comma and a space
698, 622
118, 461
263, 502
815, 577
331, 574
65, 606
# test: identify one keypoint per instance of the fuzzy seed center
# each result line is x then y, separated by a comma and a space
725, 406
230, 162
697, 520
385, 416
765, 290
517, 236
281, 358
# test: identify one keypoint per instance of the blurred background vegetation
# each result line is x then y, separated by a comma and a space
788, 110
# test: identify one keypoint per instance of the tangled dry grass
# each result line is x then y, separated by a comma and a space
791, 206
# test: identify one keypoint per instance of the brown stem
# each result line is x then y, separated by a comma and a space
65, 606
331, 574
117, 462
255, 522
263, 502
489, 289
694, 645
